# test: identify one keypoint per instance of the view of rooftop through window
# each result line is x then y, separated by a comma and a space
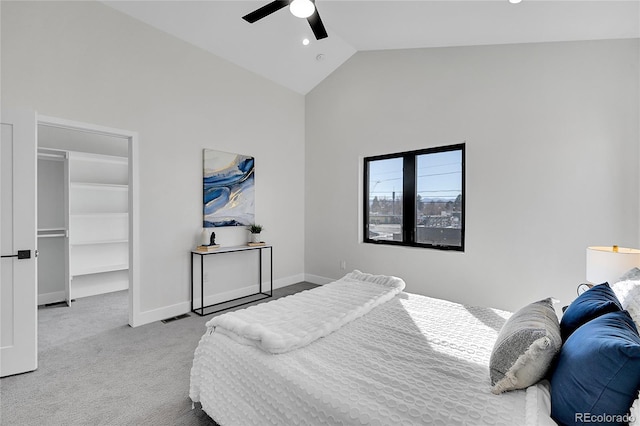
437, 198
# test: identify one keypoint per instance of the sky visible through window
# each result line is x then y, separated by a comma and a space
438, 176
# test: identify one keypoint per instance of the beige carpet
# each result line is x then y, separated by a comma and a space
96, 370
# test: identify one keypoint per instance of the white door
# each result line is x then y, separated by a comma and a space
18, 268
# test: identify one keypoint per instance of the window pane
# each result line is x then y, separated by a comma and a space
439, 198
385, 199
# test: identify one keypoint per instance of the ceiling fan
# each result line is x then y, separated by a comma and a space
299, 8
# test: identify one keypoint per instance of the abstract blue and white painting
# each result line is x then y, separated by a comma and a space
229, 189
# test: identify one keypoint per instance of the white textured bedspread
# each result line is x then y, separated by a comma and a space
413, 360
295, 321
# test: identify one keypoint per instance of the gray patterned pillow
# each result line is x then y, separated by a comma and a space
525, 348
631, 274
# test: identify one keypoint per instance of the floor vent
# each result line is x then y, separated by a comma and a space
179, 317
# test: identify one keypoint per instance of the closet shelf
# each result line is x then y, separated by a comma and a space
99, 158
83, 202
98, 269
98, 215
99, 186
89, 243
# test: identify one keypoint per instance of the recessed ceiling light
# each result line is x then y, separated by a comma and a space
305, 41
514, 1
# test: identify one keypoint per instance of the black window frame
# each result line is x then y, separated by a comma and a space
409, 197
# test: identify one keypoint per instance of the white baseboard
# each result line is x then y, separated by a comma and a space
185, 307
283, 282
55, 297
159, 314
317, 279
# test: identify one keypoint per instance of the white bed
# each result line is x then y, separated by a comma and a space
410, 360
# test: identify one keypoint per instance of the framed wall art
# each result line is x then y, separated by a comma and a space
228, 189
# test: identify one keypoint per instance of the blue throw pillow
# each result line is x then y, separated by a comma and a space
597, 375
594, 302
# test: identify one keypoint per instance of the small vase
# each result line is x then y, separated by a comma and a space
254, 238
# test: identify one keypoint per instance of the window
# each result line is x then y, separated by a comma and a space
416, 198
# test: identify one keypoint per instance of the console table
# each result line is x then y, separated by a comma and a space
232, 303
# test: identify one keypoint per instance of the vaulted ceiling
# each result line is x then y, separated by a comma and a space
272, 47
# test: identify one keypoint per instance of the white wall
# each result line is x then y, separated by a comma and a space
86, 62
551, 132
552, 162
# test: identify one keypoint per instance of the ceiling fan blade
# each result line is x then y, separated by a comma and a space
266, 10
317, 26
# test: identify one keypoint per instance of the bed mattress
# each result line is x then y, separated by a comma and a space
412, 360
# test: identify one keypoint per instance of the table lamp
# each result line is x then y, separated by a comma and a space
608, 263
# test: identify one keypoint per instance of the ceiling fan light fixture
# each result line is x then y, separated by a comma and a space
302, 8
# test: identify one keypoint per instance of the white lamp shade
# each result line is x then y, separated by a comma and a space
205, 236
302, 8
607, 264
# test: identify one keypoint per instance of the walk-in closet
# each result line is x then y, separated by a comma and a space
83, 214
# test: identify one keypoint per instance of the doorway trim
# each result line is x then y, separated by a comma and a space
134, 199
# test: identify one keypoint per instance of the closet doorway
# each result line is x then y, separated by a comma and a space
87, 213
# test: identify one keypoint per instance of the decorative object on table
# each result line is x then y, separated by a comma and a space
207, 237
609, 263
228, 189
254, 233
208, 248
207, 241
258, 244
